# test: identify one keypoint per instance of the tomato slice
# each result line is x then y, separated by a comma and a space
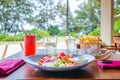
40, 63
41, 60
45, 58
49, 56
62, 54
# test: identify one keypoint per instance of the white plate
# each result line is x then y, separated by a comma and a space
33, 60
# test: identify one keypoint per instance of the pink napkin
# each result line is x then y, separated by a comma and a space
113, 64
9, 66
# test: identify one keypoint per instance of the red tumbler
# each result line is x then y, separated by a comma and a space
30, 44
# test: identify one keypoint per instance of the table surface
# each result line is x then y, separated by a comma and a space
91, 71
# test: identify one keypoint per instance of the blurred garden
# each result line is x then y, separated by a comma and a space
48, 18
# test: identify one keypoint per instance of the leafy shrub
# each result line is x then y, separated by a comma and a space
62, 33
44, 33
53, 30
116, 28
19, 37
96, 32
2, 36
74, 34
8, 38
39, 33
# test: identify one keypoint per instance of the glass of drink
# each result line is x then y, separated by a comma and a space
51, 44
71, 45
30, 44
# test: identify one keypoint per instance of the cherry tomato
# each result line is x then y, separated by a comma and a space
62, 54
41, 60
45, 58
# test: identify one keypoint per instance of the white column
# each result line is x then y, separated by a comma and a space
107, 19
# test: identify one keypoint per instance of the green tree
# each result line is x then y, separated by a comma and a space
46, 13
53, 30
61, 13
88, 16
62, 32
116, 10
49, 11
66, 16
14, 14
95, 32
116, 27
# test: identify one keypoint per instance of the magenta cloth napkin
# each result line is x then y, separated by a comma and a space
114, 64
9, 66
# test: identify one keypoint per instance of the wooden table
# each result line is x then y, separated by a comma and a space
91, 71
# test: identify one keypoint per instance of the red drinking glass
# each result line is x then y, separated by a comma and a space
30, 44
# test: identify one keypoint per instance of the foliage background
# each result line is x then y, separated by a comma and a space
49, 18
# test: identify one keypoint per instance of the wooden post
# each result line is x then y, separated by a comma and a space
21, 45
5, 50
107, 21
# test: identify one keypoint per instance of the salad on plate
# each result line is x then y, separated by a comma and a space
62, 59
